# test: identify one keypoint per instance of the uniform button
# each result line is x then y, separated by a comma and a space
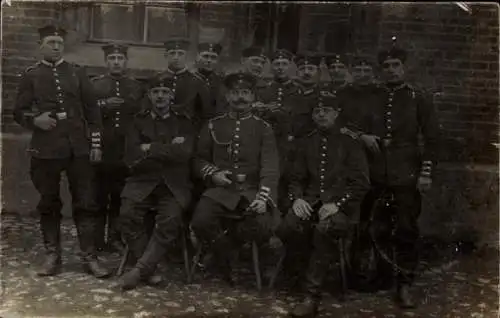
324, 139
324, 147
389, 127
322, 162
117, 125
175, 77
236, 145
237, 122
236, 136
54, 69
118, 94
323, 154
237, 129
322, 177
58, 88
389, 105
322, 190
118, 113
389, 113
57, 80
236, 151
117, 83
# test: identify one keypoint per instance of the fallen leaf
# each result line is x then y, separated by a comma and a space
118, 299
409, 314
100, 299
190, 309
101, 291
483, 280
216, 303
279, 310
335, 305
141, 314
222, 310
365, 310
172, 304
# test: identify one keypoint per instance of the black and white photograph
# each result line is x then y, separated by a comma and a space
249, 159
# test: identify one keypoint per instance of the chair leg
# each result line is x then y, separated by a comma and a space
185, 253
196, 260
343, 275
123, 261
256, 265
277, 269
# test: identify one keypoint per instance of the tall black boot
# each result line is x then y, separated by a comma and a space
100, 230
114, 236
50, 228
85, 229
145, 267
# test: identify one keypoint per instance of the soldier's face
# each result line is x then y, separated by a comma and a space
280, 67
116, 63
393, 70
254, 65
324, 117
308, 73
240, 99
160, 97
176, 59
207, 60
52, 47
362, 74
338, 72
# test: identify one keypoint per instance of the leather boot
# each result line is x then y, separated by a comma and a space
50, 228
115, 243
404, 298
85, 231
149, 261
100, 231
130, 279
307, 308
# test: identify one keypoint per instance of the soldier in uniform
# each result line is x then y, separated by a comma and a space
159, 148
237, 157
276, 103
207, 60
190, 91
399, 169
329, 179
338, 69
254, 60
56, 101
119, 97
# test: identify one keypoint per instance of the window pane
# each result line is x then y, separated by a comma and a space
117, 22
165, 22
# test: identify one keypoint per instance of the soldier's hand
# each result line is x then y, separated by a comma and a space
145, 147
221, 179
258, 206
302, 209
95, 155
178, 140
328, 210
424, 183
44, 121
371, 142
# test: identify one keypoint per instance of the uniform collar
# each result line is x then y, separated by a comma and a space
57, 63
281, 82
155, 115
240, 115
120, 76
328, 132
182, 70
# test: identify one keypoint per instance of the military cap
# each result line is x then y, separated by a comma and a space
177, 44
114, 48
254, 51
393, 53
282, 54
157, 81
210, 47
305, 59
336, 58
50, 30
240, 80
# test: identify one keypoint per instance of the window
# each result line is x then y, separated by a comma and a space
138, 23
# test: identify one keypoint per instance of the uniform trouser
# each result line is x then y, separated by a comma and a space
46, 177
168, 224
222, 230
296, 235
324, 252
407, 207
110, 179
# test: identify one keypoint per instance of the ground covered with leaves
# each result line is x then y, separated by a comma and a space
452, 285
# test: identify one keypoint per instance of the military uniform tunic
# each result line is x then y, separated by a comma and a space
214, 95
116, 120
64, 90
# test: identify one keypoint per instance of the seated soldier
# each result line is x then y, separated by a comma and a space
158, 150
237, 157
329, 178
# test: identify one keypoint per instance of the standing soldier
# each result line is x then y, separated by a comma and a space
119, 98
254, 61
329, 179
399, 168
237, 157
159, 147
56, 101
190, 92
207, 60
277, 101
338, 70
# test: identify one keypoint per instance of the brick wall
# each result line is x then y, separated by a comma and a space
20, 21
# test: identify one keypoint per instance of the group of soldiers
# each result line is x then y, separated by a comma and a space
234, 157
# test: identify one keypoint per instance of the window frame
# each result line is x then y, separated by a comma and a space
144, 22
